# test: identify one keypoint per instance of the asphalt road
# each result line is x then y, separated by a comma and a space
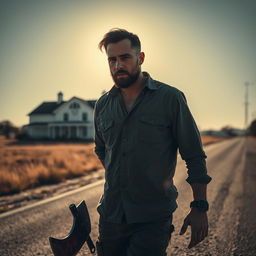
231, 194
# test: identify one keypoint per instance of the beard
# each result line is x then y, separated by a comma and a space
125, 82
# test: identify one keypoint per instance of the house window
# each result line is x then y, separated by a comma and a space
84, 117
65, 117
74, 105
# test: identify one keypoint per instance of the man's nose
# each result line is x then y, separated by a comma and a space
119, 64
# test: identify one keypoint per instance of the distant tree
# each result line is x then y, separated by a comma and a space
252, 128
229, 130
8, 129
22, 134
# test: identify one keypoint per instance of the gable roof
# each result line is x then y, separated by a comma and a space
91, 103
46, 108
49, 106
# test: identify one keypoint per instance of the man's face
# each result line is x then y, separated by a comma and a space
124, 63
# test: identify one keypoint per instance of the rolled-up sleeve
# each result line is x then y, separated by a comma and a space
189, 141
99, 143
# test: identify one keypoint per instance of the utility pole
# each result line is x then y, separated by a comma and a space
246, 104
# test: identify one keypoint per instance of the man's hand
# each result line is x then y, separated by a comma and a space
199, 226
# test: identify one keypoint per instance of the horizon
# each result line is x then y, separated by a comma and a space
66, 100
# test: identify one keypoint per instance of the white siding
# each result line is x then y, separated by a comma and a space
41, 118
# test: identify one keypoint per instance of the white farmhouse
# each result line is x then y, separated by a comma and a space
72, 119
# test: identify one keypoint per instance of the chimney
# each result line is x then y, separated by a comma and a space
60, 97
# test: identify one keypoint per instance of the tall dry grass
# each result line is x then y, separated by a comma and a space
209, 139
27, 166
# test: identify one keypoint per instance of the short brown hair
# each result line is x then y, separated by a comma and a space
116, 34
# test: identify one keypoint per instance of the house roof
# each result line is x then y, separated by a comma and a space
91, 103
49, 106
46, 108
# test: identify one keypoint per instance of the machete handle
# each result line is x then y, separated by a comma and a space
91, 245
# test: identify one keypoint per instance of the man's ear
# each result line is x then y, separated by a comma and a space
141, 58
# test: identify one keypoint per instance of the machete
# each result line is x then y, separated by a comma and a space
78, 235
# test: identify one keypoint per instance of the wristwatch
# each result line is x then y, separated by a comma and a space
202, 205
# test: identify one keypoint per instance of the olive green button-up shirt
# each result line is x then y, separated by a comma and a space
139, 149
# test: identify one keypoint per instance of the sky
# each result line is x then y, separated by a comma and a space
205, 48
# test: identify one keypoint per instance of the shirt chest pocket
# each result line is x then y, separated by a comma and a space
106, 128
153, 129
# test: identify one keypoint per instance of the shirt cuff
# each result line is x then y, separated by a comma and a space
204, 179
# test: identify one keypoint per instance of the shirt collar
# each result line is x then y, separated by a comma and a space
149, 84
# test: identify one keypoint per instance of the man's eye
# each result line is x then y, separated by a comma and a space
111, 60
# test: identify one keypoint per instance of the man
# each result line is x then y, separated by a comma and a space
139, 126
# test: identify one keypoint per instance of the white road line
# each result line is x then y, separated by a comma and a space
89, 186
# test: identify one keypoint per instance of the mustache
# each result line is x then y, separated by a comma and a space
121, 71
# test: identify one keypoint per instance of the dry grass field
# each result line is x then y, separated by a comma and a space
27, 166
24, 166
209, 139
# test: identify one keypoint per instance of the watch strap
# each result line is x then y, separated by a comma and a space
202, 205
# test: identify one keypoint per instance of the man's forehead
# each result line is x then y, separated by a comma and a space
120, 48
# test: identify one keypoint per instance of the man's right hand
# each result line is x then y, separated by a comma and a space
198, 221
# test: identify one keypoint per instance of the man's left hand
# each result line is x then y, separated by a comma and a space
199, 226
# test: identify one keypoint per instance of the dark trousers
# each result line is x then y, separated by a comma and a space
138, 239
